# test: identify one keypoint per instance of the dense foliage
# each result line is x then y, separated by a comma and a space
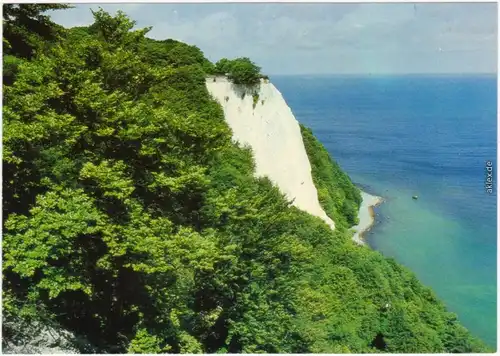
133, 221
239, 70
337, 195
26, 30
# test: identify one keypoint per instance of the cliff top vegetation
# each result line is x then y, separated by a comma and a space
239, 70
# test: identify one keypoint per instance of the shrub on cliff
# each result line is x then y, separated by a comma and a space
255, 98
222, 66
239, 70
244, 71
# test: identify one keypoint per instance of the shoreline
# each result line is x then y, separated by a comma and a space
366, 216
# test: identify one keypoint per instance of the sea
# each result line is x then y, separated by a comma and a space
431, 136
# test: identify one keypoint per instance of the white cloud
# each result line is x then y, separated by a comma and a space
326, 38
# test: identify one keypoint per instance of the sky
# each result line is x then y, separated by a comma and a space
324, 38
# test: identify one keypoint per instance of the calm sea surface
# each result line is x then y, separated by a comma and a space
400, 136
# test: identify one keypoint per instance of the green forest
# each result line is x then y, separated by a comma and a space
131, 220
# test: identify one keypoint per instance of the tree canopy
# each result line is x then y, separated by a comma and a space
27, 30
132, 220
239, 70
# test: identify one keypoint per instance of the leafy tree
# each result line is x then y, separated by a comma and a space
239, 70
223, 66
10, 68
244, 71
26, 30
175, 54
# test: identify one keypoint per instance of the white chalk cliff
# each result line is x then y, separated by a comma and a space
273, 133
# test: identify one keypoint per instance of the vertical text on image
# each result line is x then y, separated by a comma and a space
489, 177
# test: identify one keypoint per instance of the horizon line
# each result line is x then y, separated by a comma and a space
366, 74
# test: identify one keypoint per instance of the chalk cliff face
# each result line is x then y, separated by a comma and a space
270, 129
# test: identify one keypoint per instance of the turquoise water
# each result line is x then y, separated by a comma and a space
427, 136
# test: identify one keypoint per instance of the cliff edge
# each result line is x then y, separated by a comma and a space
263, 120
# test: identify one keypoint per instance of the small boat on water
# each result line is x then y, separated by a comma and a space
415, 197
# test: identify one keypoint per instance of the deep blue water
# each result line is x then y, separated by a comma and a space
398, 136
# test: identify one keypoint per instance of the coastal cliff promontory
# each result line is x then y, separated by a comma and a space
260, 118
133, 222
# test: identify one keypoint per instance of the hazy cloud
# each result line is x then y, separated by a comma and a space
325, 38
